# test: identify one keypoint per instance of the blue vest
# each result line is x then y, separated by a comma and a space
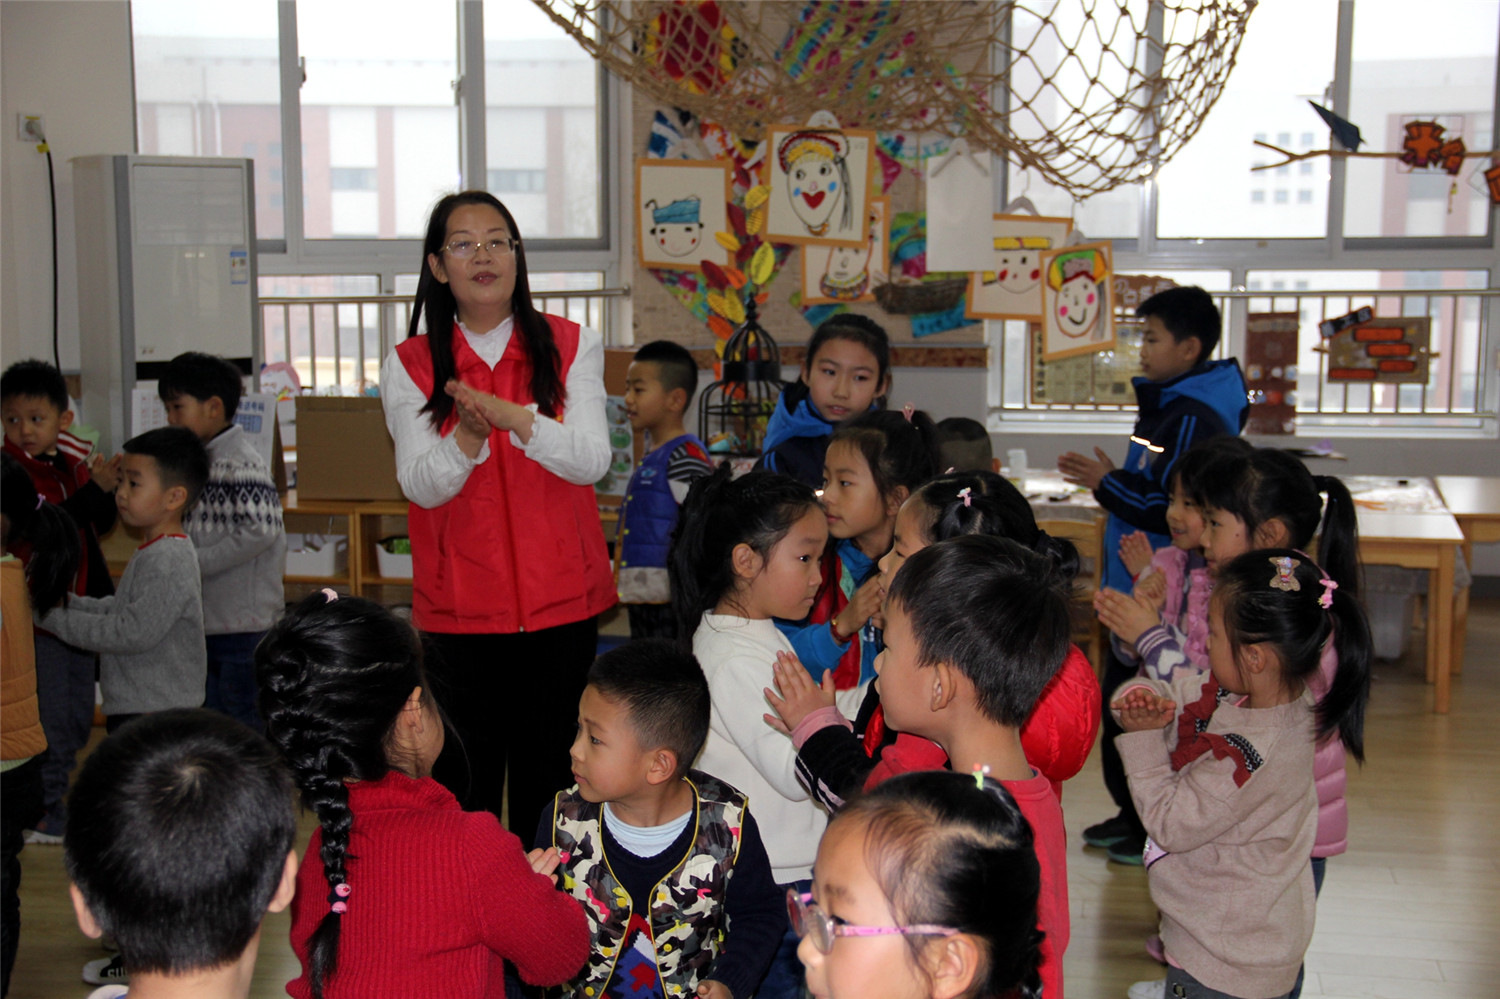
647, 517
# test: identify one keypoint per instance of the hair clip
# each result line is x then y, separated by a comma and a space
950, 470
907, 411
965, 494
980, 773
1325, 600
330, 593
1284, 579
336, 898
40, 499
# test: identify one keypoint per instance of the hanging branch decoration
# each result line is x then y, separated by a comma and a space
1422, 147
1085, 93
754, 263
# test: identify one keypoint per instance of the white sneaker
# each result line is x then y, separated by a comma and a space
37, 837
1148, 990
106, 971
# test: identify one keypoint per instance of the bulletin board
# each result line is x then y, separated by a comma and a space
1100, 378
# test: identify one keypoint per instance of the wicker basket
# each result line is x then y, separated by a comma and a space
926, 296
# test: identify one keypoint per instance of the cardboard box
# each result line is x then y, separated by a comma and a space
344, 451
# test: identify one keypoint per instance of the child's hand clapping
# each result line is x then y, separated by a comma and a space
795, 696
1128, 617
1152, 591
1136, 552
1142, 709
105, 472
864, 604
545, 861
1086, 472
714, 990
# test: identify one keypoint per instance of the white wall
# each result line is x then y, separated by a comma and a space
68, 60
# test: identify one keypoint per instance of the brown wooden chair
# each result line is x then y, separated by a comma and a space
1088, 537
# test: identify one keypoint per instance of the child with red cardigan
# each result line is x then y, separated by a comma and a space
401, 892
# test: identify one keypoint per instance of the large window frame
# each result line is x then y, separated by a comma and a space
1148, 254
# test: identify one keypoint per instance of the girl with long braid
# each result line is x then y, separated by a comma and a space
401, 892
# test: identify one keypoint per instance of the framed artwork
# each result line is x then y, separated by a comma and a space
1077, 314
1013, 290
835, 274
680, 205
1394, 351
1271, 371
821, 180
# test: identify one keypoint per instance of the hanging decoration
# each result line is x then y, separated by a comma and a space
1095, 98
1077, 317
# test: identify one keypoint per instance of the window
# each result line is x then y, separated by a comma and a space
1258, 197
1304, 197
1281, 198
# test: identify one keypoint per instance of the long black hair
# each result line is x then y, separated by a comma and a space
719, 513
334, 675
948, 853
1269, 484
901, 452
1262, 603
858, 329
434, 301
51, 538
958, 503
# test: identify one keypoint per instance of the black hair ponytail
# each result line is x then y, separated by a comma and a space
900, 451
334, 675
994, 507
46, 530
434, 300
1290, 617
719, 513
1338, 536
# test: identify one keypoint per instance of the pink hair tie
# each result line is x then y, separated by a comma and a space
337, 896
907, 411
965, 495
332, 595
1325, 600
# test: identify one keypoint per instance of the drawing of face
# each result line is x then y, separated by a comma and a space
815, 190
1020, 271
847, 263
1077, 306
678, 239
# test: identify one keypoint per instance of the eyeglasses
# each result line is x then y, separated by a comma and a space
463, 249
810, 921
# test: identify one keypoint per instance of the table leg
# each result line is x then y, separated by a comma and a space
1442, 604
1431, 630
1461, 612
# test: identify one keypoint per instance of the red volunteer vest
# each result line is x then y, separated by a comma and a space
518, 549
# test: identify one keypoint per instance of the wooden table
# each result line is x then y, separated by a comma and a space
1428, 541
1474, 502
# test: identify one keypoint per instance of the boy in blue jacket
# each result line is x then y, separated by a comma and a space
1183, 398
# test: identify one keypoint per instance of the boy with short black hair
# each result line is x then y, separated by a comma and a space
36, 412
975, 629
963, 445
150, 633
180, 842
236, 527
658, 389
1183, 398
685, 864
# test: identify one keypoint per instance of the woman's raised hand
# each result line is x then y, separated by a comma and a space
502, 414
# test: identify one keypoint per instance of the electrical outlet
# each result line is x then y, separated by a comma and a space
30, 128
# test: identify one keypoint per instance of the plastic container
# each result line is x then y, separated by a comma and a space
1389, 595
393, 557
317, 554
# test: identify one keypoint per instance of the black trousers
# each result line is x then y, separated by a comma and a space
510, 699
1116, 673
20, 809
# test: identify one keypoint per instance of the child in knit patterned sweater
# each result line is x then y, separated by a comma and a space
1221, 771
236, 528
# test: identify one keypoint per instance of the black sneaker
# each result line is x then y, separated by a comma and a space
1130, 850
1109, 831
106, 971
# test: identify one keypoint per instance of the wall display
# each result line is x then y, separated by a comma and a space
822, 179
680, 205
959, 188
1013, 290
1096, 378
1077, 314
1394, 351
1271, 371
1133, 289
833, 274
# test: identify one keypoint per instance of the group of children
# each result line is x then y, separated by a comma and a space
909, 629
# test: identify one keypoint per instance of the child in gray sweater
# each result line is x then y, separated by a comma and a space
150, 633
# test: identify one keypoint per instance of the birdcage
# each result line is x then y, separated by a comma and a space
734, 410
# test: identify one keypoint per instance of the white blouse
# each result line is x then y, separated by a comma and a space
431, 468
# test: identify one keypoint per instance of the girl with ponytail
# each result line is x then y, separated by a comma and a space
401, 893
1060, 732
497, 413
1221, 769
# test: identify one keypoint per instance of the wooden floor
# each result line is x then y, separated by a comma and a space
1412, 910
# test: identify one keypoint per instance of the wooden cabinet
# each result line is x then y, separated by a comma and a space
364, 523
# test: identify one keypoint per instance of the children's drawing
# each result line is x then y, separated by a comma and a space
681, 204
1013, 290
1076, 313
821, 182
1382, 350
849, 273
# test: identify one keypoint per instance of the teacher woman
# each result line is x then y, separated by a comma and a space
497, 413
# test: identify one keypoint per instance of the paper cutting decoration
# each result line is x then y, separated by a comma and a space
821, 183
1077, 315
1271, 371
836, 274
1013, 290
1382, 350
680, 205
